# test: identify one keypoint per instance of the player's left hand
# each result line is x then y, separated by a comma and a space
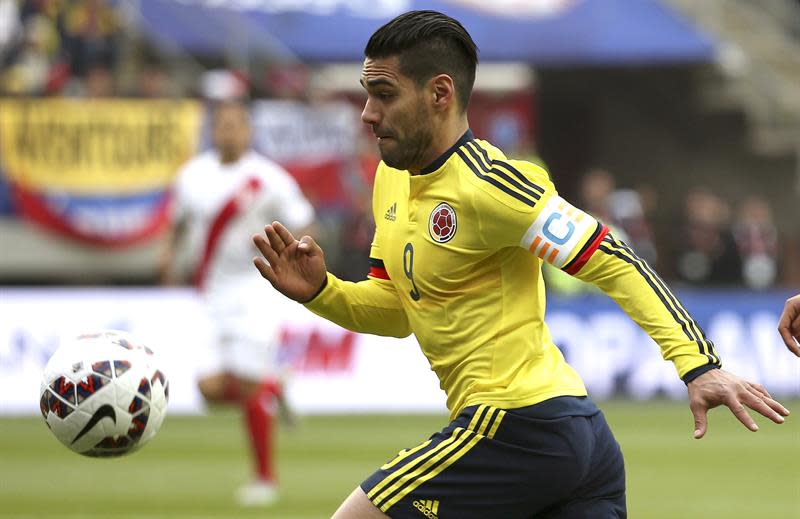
718, 387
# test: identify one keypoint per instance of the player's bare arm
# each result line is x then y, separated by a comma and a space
789, 324
167, 260
718, 387
296, 268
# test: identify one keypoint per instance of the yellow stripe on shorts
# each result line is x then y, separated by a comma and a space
433, 467
404, 454
397, 474
453, 437
496, 424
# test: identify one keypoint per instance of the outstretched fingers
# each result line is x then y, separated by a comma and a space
758, 389
740, 412
759, 403
274, 239
266, 249
265, 270
765, 405
284, 234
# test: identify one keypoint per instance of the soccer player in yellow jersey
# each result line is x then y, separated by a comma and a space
462, 233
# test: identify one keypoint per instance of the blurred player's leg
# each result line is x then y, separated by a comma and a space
213, 387
250, 360
239, 370
258, 407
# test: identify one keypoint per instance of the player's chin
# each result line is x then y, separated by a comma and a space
385, 144
392, 159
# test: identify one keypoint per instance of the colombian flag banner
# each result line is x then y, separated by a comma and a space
97, 170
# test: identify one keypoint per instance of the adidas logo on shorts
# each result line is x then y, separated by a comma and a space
428, 507
391, 213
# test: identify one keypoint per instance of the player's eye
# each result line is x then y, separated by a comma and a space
384, 96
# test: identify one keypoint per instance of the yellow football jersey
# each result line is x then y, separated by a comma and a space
456, 260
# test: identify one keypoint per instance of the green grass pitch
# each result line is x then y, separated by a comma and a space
194, 464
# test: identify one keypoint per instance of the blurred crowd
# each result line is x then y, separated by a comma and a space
51, 47
92, 48
714, 242
728, 244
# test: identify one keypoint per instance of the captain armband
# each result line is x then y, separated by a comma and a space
563, 235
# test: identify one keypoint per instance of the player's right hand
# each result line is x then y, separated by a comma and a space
295, 268
789, 324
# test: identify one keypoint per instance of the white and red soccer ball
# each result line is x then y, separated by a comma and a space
103, 394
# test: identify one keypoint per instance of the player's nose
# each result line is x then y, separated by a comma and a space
370, 115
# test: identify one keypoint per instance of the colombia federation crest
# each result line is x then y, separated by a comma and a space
442, 223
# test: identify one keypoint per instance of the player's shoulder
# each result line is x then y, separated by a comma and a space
517, 184
203, 159
266, 168
255, 158
199, 165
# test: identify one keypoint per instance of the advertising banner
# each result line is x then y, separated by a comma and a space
96, 170
332, 370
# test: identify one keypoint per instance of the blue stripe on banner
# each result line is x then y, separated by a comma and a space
68, 200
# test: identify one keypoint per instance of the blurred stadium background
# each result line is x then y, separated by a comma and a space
677, 122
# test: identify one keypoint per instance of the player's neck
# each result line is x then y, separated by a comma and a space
231, 157
443, 139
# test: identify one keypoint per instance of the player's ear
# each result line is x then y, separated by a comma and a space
443, 91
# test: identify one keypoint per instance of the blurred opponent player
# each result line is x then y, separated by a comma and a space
221, 197
462, 233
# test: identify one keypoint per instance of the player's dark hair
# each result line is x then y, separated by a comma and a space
428, 43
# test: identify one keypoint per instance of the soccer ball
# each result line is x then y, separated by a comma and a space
103, 394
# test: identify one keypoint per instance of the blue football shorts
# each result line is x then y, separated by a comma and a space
555, 459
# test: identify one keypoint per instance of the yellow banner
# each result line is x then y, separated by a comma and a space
96, 146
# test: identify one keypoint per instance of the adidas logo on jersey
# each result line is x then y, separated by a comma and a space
428, 507
391, 213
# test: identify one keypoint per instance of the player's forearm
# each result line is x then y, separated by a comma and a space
641, 293
369, 306
167, 261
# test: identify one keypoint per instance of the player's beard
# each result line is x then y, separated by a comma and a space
410, 149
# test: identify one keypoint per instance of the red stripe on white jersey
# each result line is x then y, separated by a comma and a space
230, 210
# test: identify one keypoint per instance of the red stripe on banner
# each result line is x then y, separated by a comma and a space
232, 208
587, 253
34, 207
377, 272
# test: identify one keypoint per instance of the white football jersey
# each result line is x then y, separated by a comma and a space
223, 205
